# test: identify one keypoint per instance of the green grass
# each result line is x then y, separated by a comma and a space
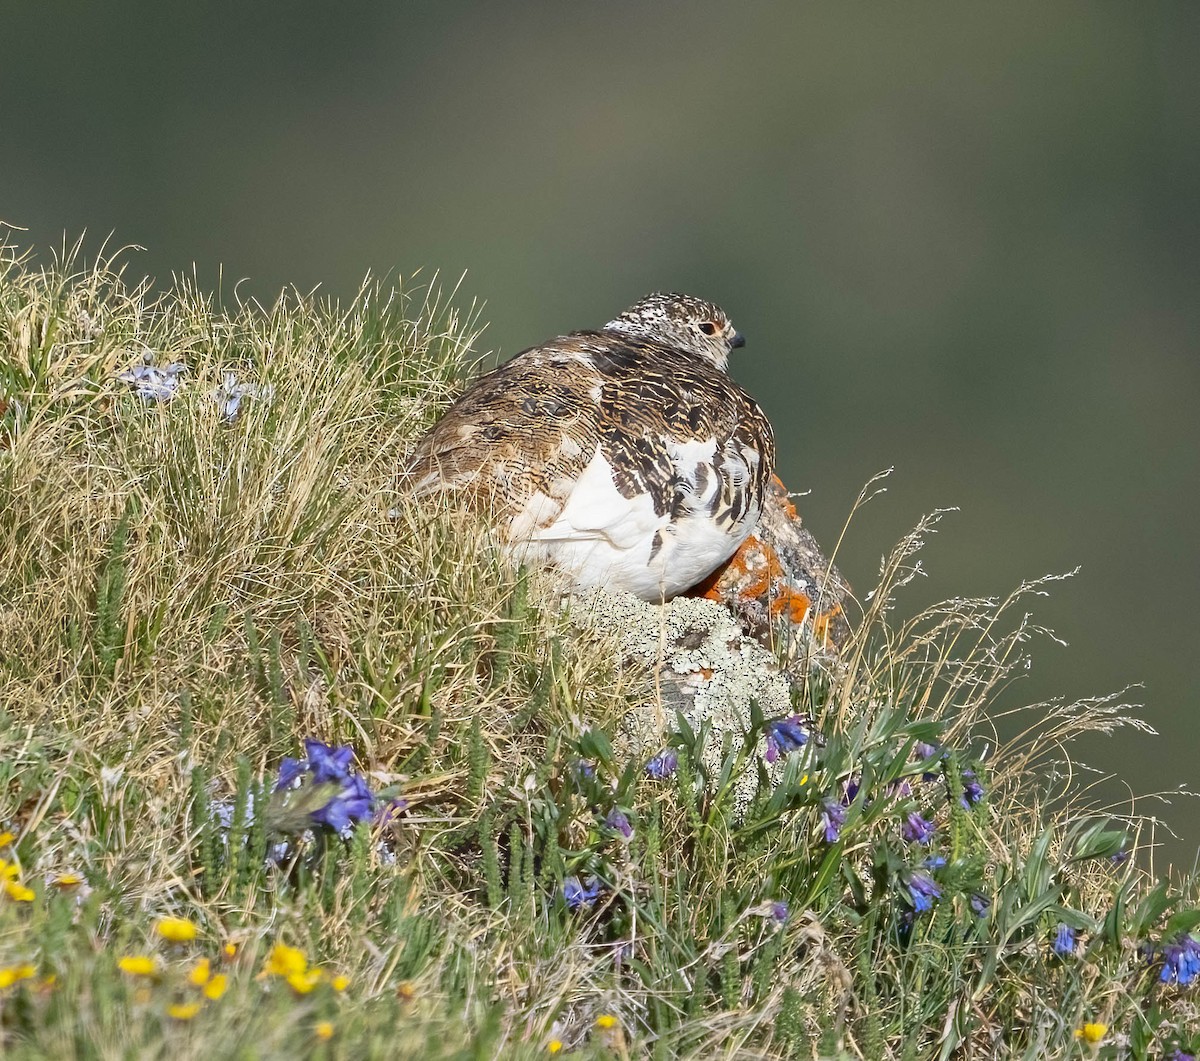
183, 599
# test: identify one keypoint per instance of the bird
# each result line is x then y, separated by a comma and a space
624, 457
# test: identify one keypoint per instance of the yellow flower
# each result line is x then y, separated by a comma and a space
14, 974
6, 839
606, 1021
340, 982
229, 950
285, 961
8, 870
406, 990
303, 982
200, 973
216, 987
1093, 1033
176, 929
137, 965
18, 893
183, 1010
68, 880
323, 1030
553, 1046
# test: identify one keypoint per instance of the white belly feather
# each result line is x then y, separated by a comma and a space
602, 538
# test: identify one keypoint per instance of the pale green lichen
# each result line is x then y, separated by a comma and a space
704, 667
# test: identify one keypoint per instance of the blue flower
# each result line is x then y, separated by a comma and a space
390, 811
1064, 941
917, 829
351, 801
980, 904
1181, 960
785, 735
328, 764
289, 772
354, 803
833, 817
972, 790
663, 764
779, 911
935, 862
618, 822
924, 751
577, 894
153, 383
899, 789
922, 890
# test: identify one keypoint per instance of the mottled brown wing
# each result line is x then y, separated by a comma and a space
519, 429
534, 423
655, 399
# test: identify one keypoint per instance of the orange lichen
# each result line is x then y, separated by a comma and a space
793, 604
822, 624
788, 508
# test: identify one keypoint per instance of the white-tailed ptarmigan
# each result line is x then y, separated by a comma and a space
624, 457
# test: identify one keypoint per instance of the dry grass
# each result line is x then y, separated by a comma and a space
182, 598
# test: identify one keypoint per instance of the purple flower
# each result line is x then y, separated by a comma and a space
328, 764
1064, 941
619, 823
785, 735
922, 890
1120, 858
935, 862
577, 894
354, 803
390, 811
972, 790
917, 829
779, 911
289, 772
833, 817
980, 905
663, 764
351, 801
1179, 1055
852, 787
1181, 960
925, 751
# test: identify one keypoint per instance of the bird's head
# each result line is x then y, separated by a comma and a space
683, 322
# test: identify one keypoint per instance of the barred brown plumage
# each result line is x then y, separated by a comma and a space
625, 457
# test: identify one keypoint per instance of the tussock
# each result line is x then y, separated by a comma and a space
188, 589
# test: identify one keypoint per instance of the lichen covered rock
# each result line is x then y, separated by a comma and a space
782, 588
704, 667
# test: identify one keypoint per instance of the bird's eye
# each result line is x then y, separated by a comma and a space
708, 328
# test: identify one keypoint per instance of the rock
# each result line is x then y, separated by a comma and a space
705, 667
782, 588
750, 633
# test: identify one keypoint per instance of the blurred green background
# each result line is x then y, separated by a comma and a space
962, 239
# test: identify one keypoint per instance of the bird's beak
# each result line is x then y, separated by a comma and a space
738, 340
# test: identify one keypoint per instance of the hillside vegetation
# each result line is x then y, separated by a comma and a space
293, 766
